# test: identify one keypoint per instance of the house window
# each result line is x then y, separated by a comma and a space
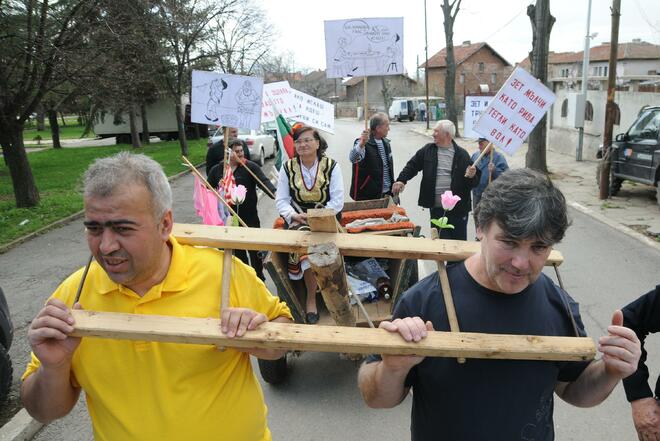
588, 111
462, 78
481, 67
605, 71
564, 108
493, 78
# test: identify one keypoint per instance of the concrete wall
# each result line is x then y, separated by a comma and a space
564, 137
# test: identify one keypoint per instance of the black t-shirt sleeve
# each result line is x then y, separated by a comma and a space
214, 175
643, 317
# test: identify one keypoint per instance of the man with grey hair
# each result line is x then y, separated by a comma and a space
371, 156
499, 290
445, 166
146, 390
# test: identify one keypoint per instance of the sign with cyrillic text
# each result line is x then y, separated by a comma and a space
314, 112
514, 111
278, 99
474, 106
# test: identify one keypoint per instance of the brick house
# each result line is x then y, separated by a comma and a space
476, 64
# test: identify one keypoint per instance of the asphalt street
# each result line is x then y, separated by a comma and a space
603, 270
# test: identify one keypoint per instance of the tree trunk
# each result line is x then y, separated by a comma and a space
25, 188
542, 22
41, 119
135, 135
183, 141
145, 123
63, 120
450, 80
54, 128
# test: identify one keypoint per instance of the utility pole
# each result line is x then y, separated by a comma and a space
426, 70
609, 109
585, 68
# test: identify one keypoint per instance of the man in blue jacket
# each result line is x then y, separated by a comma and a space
490, 170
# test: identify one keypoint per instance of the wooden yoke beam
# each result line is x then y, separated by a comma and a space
361, 245
331, 338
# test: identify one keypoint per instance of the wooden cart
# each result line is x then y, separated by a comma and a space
403, 273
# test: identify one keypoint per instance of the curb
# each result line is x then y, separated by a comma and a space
22, 427
617, 226
66, 220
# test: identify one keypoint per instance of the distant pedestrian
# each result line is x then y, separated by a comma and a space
422, 111
490, 170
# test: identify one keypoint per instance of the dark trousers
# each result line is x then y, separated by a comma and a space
459, 222
252, 220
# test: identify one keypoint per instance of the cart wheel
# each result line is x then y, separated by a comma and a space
273, 371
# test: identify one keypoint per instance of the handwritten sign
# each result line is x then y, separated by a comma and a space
224, 99
474, 106
364, 47
278, 99
514, 111
314, 112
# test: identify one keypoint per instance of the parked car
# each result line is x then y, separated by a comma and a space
635, 154
402, 109
6, 337
260, 143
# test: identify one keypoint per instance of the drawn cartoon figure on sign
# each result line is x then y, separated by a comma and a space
246, 99
360, 47
216, 91
392, 55
226, 99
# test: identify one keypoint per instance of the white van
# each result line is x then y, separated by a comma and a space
402, 108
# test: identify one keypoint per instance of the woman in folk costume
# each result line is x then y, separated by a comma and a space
308, 180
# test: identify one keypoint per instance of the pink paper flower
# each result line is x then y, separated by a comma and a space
449, 200
237, 194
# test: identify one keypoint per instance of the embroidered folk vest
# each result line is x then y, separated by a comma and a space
319, 193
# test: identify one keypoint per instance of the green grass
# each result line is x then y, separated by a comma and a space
58, 176
66, 132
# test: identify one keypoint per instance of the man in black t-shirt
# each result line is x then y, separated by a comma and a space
499, 290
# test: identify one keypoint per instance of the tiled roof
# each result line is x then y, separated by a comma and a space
626, 51
461, 53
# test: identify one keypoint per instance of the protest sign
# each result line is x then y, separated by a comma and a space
278, 99
474, 105
225, 99
515, 111
314, 112
364, 47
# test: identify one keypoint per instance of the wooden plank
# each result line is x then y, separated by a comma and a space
322, 220
330, 339
366, 205
361, 245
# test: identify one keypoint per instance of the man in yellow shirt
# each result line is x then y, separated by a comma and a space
147, 390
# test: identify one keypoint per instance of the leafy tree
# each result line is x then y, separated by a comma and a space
38, 40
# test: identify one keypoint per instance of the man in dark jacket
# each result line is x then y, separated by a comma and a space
248, 209
371, 156
216, 152
643, 317
444, 166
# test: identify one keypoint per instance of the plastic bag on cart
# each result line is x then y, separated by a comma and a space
364, 290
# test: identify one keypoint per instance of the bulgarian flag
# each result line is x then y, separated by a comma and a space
285, 140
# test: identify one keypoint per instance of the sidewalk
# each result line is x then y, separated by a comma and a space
633, 211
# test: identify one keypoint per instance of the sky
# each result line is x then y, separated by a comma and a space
503, 24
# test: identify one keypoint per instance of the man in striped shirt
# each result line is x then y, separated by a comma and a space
444, 166
371, 156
